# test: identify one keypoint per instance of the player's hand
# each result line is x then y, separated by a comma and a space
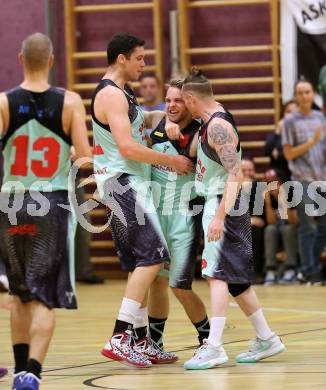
173, 131
182, 165
215, 229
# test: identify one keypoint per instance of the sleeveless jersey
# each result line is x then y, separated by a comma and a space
107, 159
210, 172
172, 185
35, 148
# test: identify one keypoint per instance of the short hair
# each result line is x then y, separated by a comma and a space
197, 83
175, 83
303, 79
36, 50
122, 43
150, 76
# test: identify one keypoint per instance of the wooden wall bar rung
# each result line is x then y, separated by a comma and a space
254, 111
242, 80
244, 96
256, 128
224, 3
113, 7
100, 71
92, 86
235, 65
262, 160
85, 55
252, 144
228, 49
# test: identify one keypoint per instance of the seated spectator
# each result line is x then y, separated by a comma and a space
150, 91
280, 232
322, 86
274, 148
257, 221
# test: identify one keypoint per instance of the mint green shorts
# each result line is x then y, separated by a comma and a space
179, 232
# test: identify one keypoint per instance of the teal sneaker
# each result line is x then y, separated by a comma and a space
206, 356
261, 349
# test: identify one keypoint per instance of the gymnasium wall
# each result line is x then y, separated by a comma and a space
209, 27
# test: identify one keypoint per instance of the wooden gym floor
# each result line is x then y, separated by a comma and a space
297, 313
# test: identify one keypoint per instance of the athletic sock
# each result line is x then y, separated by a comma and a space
258, 320
21, 357
202, 328
156, 329
216, 331
127, 314
140, 324
34, 367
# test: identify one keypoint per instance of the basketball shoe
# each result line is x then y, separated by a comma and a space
121, 347
17, 380
206, 356
261, 349
148, 348
29, 382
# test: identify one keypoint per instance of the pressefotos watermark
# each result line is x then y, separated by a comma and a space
146, 197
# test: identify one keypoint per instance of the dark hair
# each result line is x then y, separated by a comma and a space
198, 83
175, 83
285, 106
303, 79
150, 75
122, 43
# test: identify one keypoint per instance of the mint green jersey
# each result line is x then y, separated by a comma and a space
35, 148
211, 175
170, 190
108, 161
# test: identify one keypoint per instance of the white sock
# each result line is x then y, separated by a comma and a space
258, 320
216, 331
128, 310
141, 318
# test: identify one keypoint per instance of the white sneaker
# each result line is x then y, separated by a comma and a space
4, 284
261, 349
206, 356
289, 277
270, 278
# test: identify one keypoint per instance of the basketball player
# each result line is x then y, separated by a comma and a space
227, 256
178, 227
122, 168
38, 124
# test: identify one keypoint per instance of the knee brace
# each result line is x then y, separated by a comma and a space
237, 289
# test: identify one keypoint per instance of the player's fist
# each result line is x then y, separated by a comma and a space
173, 131
182, 165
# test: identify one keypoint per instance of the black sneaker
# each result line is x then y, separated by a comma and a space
92, 279
316, 279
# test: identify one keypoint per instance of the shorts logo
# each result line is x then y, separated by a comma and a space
70, 295
161, 250
29, 229
166, 266
203, 264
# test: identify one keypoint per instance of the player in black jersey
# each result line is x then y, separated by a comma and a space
38, 125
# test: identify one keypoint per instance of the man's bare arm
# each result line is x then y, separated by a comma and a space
4, 113
153, 118
221, 137
77, 124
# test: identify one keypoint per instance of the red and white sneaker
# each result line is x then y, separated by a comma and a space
121, 348
148, 348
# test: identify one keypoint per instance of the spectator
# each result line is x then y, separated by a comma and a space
274, 148
257, 221
322, 86
304, 142
4, 284
280, 232
151, 93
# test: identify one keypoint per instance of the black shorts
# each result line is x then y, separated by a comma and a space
38, 251
136, 231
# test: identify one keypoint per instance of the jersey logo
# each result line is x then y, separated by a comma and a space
185, 141
159, 134
203, 264
97, 150
23, 110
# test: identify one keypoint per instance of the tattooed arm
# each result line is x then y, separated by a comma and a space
222, 138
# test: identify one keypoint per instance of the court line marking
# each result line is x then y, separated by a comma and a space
285, 310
